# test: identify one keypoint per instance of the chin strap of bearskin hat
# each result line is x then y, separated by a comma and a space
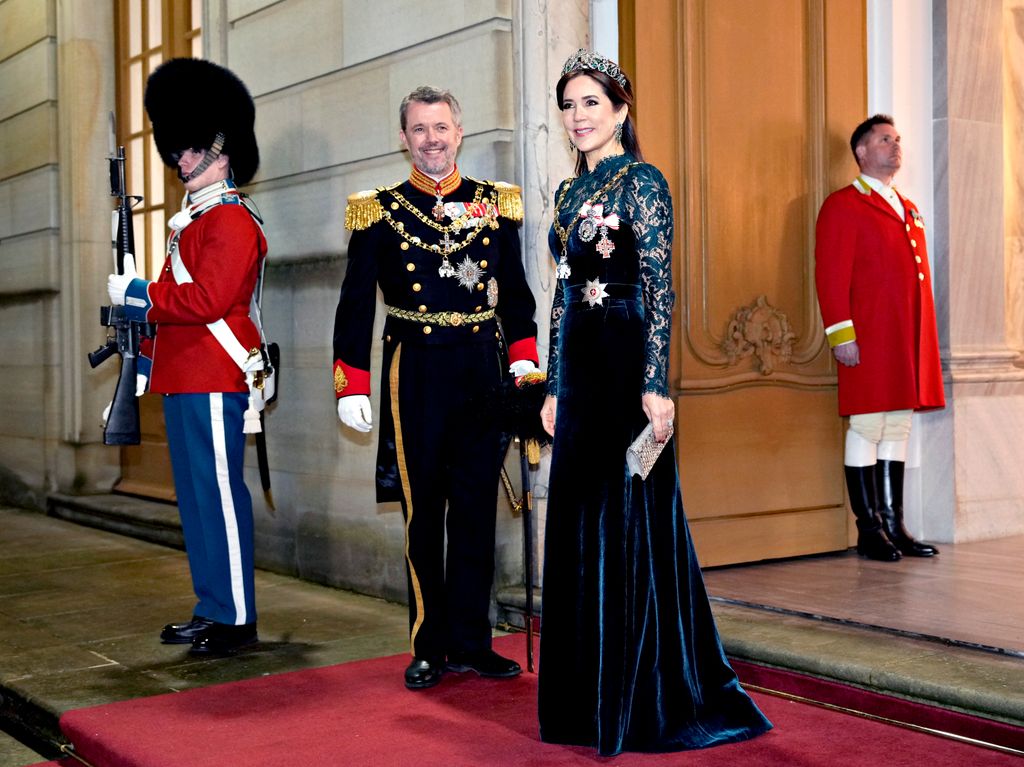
211, 155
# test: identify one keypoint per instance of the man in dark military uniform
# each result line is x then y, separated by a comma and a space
445, 251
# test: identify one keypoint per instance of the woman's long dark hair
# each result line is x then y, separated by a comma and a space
618, 96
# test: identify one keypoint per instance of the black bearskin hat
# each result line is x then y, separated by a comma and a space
190, 101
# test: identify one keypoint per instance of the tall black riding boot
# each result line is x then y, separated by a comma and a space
871, 539
889, 479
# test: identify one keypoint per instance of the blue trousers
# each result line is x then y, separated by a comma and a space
204, 434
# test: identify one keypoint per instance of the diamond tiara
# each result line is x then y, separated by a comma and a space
584, 60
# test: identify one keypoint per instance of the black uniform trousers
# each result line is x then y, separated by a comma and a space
443, 399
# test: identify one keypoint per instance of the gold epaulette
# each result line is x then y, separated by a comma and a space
510, 201
363, 210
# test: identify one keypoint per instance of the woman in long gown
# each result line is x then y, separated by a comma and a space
630, 656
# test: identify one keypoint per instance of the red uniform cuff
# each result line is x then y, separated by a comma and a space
524, 349
349, 380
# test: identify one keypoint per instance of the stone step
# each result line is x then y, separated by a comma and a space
147, 520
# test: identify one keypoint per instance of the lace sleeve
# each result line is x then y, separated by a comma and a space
649, 204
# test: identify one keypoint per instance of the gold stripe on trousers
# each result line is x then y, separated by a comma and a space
403, 473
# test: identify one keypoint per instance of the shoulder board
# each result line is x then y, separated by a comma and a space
363, 210
510, 200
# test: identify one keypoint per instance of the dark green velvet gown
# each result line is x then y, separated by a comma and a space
630, 657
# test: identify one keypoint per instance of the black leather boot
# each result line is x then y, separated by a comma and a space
889, 480
871, 539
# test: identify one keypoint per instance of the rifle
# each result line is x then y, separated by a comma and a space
122, 426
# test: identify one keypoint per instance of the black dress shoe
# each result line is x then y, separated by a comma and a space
485, 663
223, 639
423, 673
184, 633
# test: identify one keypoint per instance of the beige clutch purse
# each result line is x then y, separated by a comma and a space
642, 454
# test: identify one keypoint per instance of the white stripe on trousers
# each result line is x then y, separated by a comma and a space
227, 504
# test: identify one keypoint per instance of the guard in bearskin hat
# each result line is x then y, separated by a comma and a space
205, 359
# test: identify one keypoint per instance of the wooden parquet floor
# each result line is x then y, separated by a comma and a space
971, 593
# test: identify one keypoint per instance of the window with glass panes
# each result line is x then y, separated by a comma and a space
148, 33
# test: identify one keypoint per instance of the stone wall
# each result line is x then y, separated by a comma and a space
56, 66
327, 96
971, 483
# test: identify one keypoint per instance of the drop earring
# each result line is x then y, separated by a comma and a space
572, 146
618, 132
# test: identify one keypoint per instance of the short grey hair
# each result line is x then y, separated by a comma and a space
427, 94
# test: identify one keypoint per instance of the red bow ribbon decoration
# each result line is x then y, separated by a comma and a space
596, 212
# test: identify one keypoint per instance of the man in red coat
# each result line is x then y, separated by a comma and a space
874, 289
207, 345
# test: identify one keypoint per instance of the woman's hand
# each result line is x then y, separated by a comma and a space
547, 414
660, 412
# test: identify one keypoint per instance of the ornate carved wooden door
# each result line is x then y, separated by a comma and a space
747, 106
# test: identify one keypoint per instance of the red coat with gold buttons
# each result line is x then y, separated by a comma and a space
871, 268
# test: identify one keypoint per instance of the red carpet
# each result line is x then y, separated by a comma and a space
360, 714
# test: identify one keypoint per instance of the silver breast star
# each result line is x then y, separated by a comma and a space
594, 292
469, 273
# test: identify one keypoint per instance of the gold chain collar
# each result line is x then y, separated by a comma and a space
448, 246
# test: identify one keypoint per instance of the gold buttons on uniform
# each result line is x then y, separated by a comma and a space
404, 246
410, 267
427, 330
486, 241
479, 286
478, 309
417, 287
913, 243
394, 206
908, 227
422, 308
476, 328
917, 258
483, 264
920, 276
389, 338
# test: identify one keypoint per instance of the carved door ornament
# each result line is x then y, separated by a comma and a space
762, 331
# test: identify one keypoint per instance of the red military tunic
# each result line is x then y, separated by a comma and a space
874, 286
221, 251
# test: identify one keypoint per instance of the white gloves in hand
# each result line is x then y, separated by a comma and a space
117, 284
520, 368
354, 411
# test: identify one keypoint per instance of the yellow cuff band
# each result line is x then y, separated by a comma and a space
842, 336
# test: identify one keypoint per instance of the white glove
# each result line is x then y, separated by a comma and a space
354, 411
117, 284
520, 368
141, 384
106, 414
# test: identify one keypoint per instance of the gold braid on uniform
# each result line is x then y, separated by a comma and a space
340, 380
510, 201
363, 210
